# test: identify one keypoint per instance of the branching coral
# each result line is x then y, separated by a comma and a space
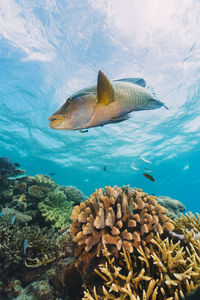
161, 270
188, 222
117, 219
56, 209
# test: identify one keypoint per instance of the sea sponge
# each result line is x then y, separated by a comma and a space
117, 219
56, 209
159, 271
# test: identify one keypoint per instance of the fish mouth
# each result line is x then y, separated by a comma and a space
55, 121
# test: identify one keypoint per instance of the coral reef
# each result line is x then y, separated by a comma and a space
45, 180
161, 270
11, 212
27, 252
38, 191
117, 219
73, 194
141, 252
7, 169
175, 207
36, 259
56, 209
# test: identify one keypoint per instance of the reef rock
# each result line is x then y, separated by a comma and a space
175, 207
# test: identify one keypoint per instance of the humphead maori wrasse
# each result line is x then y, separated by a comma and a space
104, 103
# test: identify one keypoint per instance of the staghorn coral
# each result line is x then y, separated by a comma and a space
188, 222
118, 219
38, 191
161, 270
56, 209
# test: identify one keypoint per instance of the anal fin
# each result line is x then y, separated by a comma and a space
120, 118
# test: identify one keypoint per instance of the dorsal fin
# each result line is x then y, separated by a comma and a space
138, 81
105, 89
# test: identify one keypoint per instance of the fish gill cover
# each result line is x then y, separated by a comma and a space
51, 49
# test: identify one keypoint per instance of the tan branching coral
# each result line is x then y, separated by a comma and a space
161, 270
117, 219
189, 222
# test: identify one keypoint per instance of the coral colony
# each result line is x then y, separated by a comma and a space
120, 243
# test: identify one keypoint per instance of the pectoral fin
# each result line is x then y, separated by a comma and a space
105, 90
120, 119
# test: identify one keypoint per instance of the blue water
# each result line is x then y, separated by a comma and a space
50, 49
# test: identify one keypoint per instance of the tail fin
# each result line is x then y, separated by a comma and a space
165, 106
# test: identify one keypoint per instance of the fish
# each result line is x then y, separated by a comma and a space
104, 103
25, 246
145, 160
148, 170
17, 165
149, 176
52, 174
104, 168
186, 167
16, 177
13, 220
133, 167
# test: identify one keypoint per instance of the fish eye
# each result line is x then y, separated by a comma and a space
69, 100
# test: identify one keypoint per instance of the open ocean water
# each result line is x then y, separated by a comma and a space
49, 49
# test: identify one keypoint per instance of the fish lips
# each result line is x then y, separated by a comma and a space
55, 121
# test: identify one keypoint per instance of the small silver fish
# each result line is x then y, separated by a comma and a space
104, 103
145, 160
133, 167
148, 170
